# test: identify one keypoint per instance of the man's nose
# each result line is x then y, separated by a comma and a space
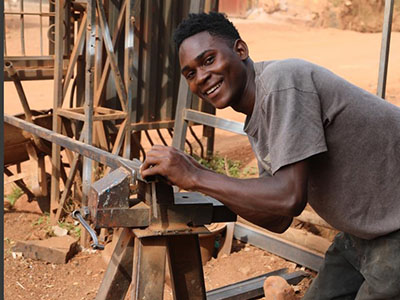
202, 76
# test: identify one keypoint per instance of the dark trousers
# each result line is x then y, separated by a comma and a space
359, 269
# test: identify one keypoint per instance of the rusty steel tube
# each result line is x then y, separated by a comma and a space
99, 155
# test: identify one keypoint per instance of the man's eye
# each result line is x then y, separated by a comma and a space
190, 75
209, 60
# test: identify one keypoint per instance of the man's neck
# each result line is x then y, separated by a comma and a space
246, 103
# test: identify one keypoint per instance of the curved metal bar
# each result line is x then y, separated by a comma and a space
161, 137
76, 214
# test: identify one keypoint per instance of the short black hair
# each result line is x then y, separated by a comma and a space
216, 24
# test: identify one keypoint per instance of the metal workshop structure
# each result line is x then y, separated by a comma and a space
116, 75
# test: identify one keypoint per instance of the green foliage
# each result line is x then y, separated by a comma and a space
222, 165
74, 230
14, 196
42, 220
44, 223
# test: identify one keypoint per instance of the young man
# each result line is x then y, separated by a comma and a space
317, 139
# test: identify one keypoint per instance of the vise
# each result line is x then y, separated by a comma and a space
153, 210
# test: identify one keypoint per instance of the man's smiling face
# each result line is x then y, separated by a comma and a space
214, 71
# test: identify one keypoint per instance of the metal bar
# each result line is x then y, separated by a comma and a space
149, 268
278, 246
111, 55
161, 137
180, 128
253, 287
210, 120
22, 27
99, 155
5, 38
118, 275
88, 105
118, 142
68, 184
149, 138
45, 14
57, 100
76, 51
41, 28
198, 141
113, 116
70, 114
14, 76
186, 267
152, 125
129, 76
385, 47
21, 184
106, 69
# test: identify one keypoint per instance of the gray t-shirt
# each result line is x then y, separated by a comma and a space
350, 136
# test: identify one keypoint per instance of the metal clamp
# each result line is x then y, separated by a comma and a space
77, 215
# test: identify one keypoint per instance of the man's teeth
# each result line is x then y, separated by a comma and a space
213, 88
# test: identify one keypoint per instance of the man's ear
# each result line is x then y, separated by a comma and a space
240, 47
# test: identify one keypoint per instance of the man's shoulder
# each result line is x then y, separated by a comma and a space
287, 73
284, 66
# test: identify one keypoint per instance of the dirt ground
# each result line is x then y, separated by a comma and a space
352, 55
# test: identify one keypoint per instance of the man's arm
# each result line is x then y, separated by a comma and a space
270, 202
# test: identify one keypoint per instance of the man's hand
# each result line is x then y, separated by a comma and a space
174, 165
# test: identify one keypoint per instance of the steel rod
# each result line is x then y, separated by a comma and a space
5, 37
121, 90
68, 184
253, 287
57, 100
76, 51
106, 69
43, 14
128, 73
99, 155
41, 28
385, 47
22, 28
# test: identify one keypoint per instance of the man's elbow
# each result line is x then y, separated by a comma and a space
296, 204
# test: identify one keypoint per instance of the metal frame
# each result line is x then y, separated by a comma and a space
385, 47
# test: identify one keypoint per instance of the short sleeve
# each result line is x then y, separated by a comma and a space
295, 126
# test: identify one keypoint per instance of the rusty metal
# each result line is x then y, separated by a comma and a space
148, 268
118, 276
84, 149
252, 288
186, 267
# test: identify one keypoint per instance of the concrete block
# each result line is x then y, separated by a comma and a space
57, 250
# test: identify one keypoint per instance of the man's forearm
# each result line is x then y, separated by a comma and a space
258, 200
